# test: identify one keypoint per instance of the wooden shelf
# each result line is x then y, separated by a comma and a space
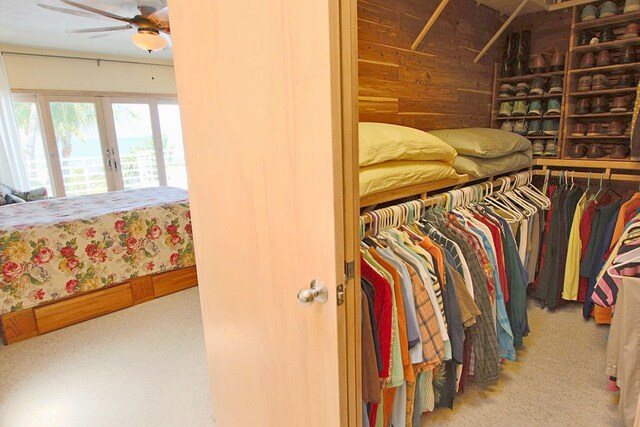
611, 20
599, 115
528, 77
412, 190
541, 136
615, 44
528, 97
588, 163
604, 92
599, 137
614, 67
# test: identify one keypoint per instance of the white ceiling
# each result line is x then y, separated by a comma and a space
24, 23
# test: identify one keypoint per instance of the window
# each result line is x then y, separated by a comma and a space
84, 145
32, 144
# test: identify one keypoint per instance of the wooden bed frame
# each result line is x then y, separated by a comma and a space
20, 325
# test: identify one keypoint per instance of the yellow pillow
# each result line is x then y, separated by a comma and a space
397, 174
381, 142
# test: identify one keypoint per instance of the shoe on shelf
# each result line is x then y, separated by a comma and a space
628, 56
631, 6
589, 13
608, 9
595, 151
620, 104
588, 60
603, 58
506, 109
579, 129
507, 126
557, 61
619, 151
520, 127
616, 128
538, 147
600, 82
582, 106
522, 89
551, 149
555, 84
578, 150
550, 126
507, 90
630, 31
519, 108
553, 106
585, 38
537, 86
607, 35
539, 64
584, 83
535, 108
534, 127
624, 81
599, 105
594, 129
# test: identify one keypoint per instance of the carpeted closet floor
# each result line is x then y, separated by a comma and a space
145, 366
558, 379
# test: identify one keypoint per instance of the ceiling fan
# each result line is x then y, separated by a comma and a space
149, 23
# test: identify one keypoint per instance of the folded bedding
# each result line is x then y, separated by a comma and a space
482, 167
383, 142
402, 173
483, 142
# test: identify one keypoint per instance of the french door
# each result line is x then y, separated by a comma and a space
75, 145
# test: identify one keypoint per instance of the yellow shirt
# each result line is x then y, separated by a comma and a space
574, 247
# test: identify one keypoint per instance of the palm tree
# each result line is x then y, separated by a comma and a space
71, 120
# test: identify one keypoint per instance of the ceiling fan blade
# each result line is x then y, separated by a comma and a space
70, 11
97, 30
97, 11
161, 19
146, 10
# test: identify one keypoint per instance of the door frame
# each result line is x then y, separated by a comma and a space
345, 53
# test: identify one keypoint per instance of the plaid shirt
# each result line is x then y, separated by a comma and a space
483, 333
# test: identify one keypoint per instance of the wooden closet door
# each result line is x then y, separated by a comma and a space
259, 91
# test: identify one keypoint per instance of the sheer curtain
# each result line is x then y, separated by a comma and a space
12, 168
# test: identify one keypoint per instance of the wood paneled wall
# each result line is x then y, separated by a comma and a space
548, 29
437, 86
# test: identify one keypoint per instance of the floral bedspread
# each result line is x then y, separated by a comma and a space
54, 248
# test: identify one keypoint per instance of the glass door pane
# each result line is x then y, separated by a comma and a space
173, 148
80, 149
134, 137
32, 145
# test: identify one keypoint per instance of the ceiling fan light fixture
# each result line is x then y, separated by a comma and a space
149, 39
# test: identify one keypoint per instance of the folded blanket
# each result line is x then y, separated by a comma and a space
397, 174
481, 167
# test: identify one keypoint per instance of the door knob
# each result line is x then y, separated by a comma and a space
317, 291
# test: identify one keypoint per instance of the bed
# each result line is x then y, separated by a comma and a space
84, 256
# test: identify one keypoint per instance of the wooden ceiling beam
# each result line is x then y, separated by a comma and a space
500, 31
429, 24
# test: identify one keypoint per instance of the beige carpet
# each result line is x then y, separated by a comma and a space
145, 366
558, 380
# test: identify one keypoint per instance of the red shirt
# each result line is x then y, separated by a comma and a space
497, 241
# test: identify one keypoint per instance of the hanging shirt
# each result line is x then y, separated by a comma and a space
397, 371
413, 332
574, 248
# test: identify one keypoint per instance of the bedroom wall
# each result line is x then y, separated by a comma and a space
39, 73
438, 86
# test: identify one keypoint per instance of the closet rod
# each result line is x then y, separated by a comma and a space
607, 175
